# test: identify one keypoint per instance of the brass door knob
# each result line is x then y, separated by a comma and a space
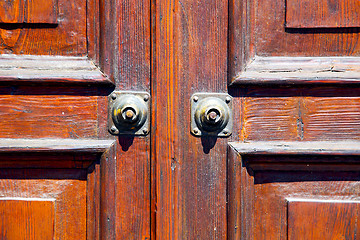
129, 113
211, 114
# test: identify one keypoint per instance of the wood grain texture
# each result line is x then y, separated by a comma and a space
259, 202
189, 174
133, 188
42, 11
322, 14
331, 118
12, 11
67, 187
273, 40
288, 113
280, 119
27, 219
50, 69
297, 147
334, 220
241, 36
55, 145
68, 37
125, 58
125, 43
300, 70
48, 116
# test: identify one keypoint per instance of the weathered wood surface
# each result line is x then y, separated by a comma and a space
12, 11
297, 147
259, 194
125, 57
50, 69
38, 35
322, 13
42, 11
54, 145
29, 11
308, 113
257, 29
300, 70
52, 116
189, 173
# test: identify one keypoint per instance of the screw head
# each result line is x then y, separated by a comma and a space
145, 130
146, 98
195, 130
113, 129
225, 131
228, 99
195, 98
113, 96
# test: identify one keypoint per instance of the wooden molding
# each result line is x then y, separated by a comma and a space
50, 69
55, 145
300, 70
297, 148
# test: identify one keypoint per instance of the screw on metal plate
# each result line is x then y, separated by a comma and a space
211, 114
129, 113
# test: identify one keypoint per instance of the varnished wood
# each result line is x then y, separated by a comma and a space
322, 14
261, 197
12, 11
189, 173
42, 11
27, 218
68, 37
334, 219
26, 116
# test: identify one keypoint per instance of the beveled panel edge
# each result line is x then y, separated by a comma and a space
55, 145
299, 71
50, 69
297, 148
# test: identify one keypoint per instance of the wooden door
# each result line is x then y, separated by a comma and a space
288, 171
62, 174
290, 168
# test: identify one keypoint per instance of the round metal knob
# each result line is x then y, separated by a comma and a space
212, 115
129, 113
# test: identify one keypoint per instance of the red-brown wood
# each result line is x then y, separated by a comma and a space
334, 219
68, 37
322, 14
12, 11
189, 173
27, 218
65, 97
293, 190
42, 11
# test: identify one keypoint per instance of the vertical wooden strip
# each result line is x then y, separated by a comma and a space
93, 30
190, 55
41, 11
234, 195
12, 11
125, 58
107, 195
241, 35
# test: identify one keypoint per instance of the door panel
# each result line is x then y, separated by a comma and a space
293, 190
55, 145
293, 76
